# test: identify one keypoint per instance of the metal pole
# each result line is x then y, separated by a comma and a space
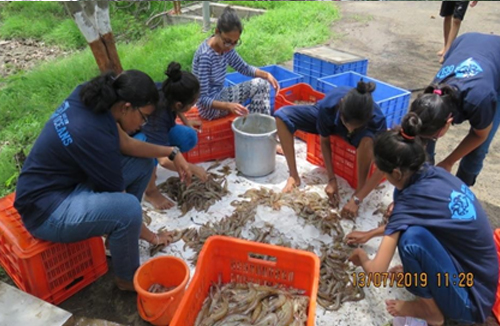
206, 16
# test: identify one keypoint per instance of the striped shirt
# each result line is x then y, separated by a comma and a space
210, 67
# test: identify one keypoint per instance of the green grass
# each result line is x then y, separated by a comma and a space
255, 4
28, 99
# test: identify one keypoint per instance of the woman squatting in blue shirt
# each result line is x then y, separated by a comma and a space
444, 238
85, 177
347, 112
178, 93
210, 64
466, 88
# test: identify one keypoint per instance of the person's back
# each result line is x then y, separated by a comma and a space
445, 206
75, 146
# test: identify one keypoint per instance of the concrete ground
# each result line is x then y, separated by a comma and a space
400, 39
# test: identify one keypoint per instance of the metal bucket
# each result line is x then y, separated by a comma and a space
255, 144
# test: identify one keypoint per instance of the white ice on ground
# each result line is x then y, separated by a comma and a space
371, 310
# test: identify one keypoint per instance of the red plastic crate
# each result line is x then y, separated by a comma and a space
234, 260
50, 271
298, 92
343, 158
496, 307
215, 141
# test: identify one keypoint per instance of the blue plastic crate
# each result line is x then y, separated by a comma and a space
284, 77
313, 68
393, 101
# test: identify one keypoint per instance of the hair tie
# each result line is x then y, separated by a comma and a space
438, 92
405, 136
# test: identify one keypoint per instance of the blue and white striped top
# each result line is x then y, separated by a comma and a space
210, 67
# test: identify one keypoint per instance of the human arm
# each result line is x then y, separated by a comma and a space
351, 208
474, 139
132, 147
269, 77
382, 259
331, 188
190, 123
356, 237
197, 170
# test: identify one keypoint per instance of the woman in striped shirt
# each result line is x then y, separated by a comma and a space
210, 64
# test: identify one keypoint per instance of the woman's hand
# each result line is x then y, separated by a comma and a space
270, 78
236, 108
350, 210
183, 168
163, 237
389, 210
332, 191
199, 172
357, 256
358, 237
195, 124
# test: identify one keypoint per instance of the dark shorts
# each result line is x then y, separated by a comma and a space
455, 8
304, 117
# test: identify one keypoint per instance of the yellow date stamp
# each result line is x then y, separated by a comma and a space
386, 279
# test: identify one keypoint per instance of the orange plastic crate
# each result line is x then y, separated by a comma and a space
215, 141
50, 271
496, 307
298, 92
343, 158
232, 260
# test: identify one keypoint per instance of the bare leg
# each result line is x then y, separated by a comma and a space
288, 147
455, 27
154, 196
426, 309
446, 33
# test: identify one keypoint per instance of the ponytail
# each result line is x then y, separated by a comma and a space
180, 86
401, 147
132, 86
357, 105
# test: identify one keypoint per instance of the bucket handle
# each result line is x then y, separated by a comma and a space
158, 315
274, 139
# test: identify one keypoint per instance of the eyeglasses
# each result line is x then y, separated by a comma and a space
145, 118
228, 43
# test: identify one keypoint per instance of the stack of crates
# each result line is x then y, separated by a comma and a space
283, 76
393, 101
215, 139
50, 271
224, 259
321, 61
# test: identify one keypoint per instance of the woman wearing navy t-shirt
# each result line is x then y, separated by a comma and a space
77, 182
466, 88
442, 234
347, 112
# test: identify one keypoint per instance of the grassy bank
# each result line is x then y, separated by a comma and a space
29, 99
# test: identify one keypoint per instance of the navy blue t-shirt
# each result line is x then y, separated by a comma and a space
75, 146
444, 205
475, 60
329, 122
160, 122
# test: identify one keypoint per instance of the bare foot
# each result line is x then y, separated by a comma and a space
156, 199
420, 308
291, 184
440, 52
124, 285
279, 150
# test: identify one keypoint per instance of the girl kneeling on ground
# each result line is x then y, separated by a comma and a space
442, 233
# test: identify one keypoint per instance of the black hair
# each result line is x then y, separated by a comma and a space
434, 107
357, 104
400, 147
229, 21
180, 86
131, 86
